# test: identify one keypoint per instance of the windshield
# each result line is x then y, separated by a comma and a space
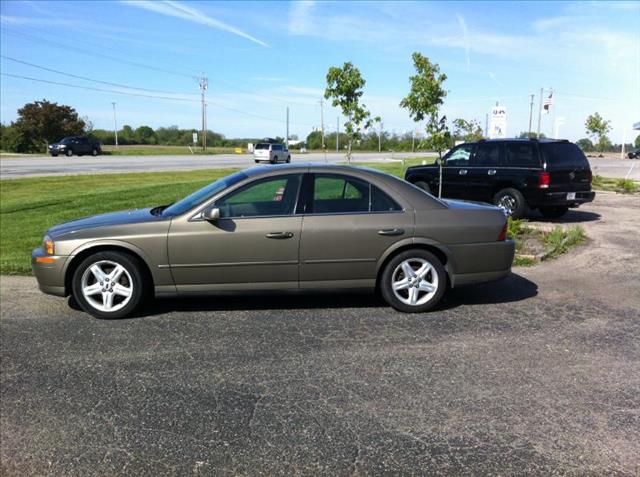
66, 140
200, 196
262, 146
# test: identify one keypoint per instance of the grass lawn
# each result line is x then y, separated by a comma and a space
28, 207
150, 150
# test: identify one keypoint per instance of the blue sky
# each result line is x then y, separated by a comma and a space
262, 57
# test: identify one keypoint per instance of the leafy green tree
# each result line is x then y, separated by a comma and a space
597, 127
10, 138
530, 135
585, 144
42, 122
344, 89
314, 140
423, 102
145, 135
467, 131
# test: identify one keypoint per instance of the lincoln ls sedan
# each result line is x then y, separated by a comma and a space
281, 227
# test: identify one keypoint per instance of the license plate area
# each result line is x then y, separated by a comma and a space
571, 196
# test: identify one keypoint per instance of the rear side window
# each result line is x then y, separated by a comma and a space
487, 155
564, 155
262, 146
521, 155
381, 202
338, 194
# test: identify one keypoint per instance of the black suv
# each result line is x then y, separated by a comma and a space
515, 174
75, 145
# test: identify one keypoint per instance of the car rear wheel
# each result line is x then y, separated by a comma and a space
108, 285
413, 281
288, 159
553, 212
275, 160
512, 202
94, 152
424, 186
69, 153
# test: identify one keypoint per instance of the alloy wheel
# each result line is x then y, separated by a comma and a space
414, 281
107, 286
507, 203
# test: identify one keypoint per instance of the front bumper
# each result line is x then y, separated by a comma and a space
560, 199
49, 271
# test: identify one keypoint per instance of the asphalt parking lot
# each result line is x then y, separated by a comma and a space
536, 374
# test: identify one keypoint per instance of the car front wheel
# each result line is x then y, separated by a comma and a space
512, 202
108, 285
413, 281
69, 153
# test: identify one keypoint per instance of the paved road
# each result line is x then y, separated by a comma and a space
537, 374
48, 166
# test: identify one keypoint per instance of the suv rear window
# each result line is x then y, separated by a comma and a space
564, 155
521, 155
262, 146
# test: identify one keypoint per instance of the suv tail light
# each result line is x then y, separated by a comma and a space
544, 180
503, 235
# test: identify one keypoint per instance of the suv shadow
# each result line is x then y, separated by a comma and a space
510, 289
573, 216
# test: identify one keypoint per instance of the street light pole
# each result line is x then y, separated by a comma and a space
115, 124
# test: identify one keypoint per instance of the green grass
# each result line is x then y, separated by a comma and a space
28, 207
559, 240
151, 150
612, 184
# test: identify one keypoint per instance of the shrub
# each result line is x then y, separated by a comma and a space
626, 186
559, 240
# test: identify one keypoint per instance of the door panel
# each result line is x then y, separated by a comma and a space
484, 172
455, 171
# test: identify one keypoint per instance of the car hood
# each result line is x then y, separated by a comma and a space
104, 220
468, 204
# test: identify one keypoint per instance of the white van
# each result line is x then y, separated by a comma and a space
272, 153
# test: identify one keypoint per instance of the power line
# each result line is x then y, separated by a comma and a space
108, 83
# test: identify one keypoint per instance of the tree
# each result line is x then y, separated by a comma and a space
467, 131
424, 101
41, 122
314, 140
344, 88
637, 142
145, 135
530, 135
597, 127
585, 144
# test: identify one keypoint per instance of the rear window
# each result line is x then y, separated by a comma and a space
564, 155
521, 155
262, 146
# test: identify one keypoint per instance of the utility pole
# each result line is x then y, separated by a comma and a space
287, 143
115, 124
540, 111
322, 122
203, 82
486, 125
530, 114
380, 137
338, 134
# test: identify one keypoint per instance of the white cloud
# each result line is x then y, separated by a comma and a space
178, 10
465, 38
300, 17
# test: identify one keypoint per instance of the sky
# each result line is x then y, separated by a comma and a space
262, 57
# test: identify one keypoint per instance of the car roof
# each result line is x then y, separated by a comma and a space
543, 140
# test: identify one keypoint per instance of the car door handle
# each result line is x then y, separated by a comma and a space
391, 232
279, 235
491, 172
463, 172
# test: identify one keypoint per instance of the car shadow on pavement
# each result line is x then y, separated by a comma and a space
510, 289
571, 217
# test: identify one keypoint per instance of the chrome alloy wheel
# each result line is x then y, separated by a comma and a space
414, 281
107, 286
507, 203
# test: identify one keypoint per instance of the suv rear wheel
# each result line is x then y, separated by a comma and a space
512, 202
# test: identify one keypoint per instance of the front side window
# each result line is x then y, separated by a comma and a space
459, 157
264, 197
487, 155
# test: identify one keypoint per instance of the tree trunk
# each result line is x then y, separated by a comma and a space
349, 152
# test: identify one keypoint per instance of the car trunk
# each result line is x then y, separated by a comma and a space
568, 168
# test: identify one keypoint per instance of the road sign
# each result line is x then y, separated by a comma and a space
195, 138
498, 124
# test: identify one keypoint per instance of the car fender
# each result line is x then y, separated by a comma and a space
449, 266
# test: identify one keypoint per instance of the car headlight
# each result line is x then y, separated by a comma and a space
48, 245
62, 146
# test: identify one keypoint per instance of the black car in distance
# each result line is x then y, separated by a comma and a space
78, 145
515, 174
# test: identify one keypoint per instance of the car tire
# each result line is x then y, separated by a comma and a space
553, 212
423, 185
275, 160
54, 155
288, 159
419, 293
94, 152
512, 202
101, 298
68, 153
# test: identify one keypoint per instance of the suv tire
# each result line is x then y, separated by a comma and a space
94, 152
553, 212
96, 296
420, 291
275, 160
69, 153
423, 185
512, 202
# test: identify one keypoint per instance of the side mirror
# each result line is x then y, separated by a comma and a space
211, 214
